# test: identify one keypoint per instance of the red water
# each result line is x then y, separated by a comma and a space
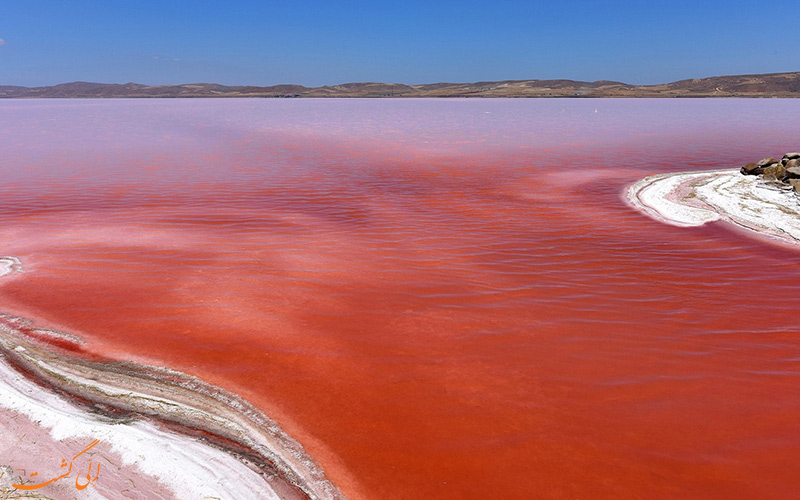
437, 298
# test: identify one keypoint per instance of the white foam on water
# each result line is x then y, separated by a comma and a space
9, 265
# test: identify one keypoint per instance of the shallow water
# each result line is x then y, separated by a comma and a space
437, 298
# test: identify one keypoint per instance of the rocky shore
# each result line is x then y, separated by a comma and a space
783, 173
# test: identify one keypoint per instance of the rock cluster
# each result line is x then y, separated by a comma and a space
786, 170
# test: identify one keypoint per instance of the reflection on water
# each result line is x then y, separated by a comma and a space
437, 298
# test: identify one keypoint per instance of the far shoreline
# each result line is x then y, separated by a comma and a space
768, 85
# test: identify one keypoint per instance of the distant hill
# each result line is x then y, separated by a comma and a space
766, 85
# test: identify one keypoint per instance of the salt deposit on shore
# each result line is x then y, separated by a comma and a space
161, 434
133, 456
695, 198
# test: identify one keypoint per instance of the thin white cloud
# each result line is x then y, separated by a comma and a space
2, 42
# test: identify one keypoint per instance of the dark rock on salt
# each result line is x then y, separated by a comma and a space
786, 171
751, 169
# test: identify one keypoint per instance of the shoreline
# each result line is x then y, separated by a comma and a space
175, 433
690, 199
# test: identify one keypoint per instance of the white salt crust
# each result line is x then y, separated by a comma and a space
187, 467
696, 198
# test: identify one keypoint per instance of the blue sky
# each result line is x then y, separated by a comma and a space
314, 42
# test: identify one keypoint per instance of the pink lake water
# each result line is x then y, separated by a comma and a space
437, 298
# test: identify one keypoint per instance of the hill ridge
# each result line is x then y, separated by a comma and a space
751, 85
